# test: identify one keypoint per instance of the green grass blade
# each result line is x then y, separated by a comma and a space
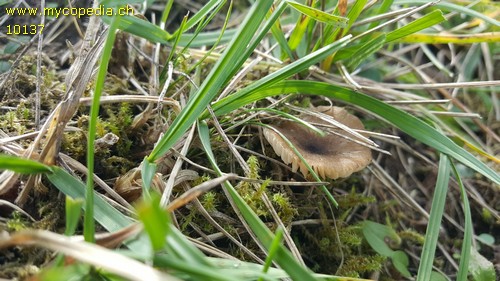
176, 38
384, 8
459, 39
365, 50
213, 83
463, 268
166, 10
148, 170
481, 268
89, 224
437, 210
200, 272
298, 32
201, 25
422, 23
141, 28
319, 15
407, 123
283, 256
216, 43
453, 7
73, 210
178, 244
287, 71
257, 39
163, 235
206, 38
155, 221
331, 35
354, 13
113, 220
107, 216
174, 44
278, 35
201, 14
22, 165
272, 251
253, 271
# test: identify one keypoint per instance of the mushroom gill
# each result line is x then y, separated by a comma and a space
330, 156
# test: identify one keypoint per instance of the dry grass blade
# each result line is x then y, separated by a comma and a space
73, 164
15, 207
197, 191
134, 99
399, 102
39, 69
77, 81
336, 124
434, 86
411, 12
429, 80
87, 252
8, 139
165, 197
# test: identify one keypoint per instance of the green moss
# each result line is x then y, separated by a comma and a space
354, 199
116, 165
337, 248
351, 236
119, 120
355, 266
18, 271
253, 164
101, 128
187, 220
209, 201
286, 211
412, 235
111, 160
252, 198
16, 223
50, 212
251, 195
74, 144
486, 215
201, 180
15, 121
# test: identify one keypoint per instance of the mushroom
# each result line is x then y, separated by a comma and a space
330, 156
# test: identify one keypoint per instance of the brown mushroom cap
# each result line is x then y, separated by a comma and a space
330, 156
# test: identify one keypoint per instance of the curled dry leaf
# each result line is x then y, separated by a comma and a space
129, 186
